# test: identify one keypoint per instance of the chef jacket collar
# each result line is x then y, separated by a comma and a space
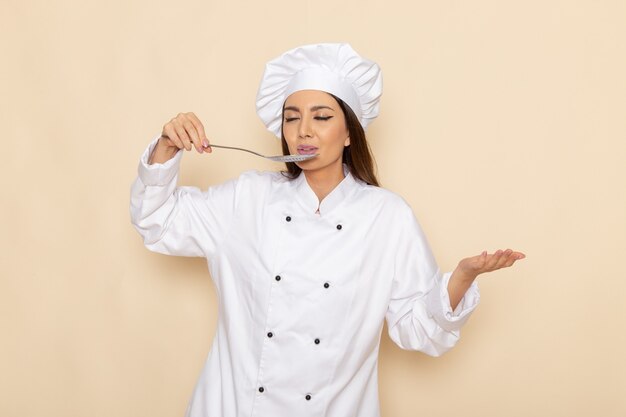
307, 198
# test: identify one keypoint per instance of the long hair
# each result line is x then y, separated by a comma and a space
357, 156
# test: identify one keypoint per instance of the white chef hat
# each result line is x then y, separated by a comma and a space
335, 68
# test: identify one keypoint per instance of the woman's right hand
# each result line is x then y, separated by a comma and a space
183, 131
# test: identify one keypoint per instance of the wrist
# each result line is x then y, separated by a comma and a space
462, 275
162, 152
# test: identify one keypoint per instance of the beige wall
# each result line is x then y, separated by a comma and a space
502, 123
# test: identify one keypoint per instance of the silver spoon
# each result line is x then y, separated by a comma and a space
277, 158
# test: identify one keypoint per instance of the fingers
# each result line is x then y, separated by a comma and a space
482, 260
503, 259
172, 137
182, 133
513, 257
493, 260
186, 131
203, 141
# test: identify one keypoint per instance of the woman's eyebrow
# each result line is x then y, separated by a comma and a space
314, 108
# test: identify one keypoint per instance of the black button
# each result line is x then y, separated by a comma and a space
288, 218
261, 389
270, 334
308, 397
338, 227
326, 285
317, 341
277, 278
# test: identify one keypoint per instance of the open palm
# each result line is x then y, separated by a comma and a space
479, 264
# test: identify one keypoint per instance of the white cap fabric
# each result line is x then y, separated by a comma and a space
335, 68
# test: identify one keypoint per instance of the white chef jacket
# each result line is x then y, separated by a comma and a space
302, 296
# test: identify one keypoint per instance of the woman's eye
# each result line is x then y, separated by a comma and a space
323, 118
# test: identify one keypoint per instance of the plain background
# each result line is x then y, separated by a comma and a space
502, 123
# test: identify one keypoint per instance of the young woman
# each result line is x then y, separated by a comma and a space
307, 263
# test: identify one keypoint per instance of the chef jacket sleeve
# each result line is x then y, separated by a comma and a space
419, 315
178, 220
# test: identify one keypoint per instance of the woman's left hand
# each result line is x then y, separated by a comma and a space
469, 268
473, 266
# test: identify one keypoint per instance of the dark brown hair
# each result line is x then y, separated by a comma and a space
357, 156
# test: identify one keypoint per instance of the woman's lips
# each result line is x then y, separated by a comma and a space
307, 150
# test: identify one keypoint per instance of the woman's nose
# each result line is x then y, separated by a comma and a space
304, 130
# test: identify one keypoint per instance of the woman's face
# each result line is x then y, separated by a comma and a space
313, 123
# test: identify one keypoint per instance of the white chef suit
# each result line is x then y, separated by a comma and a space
302, 295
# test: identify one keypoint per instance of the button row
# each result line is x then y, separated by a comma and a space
307, 397
316, 341
288, 218
278, 278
